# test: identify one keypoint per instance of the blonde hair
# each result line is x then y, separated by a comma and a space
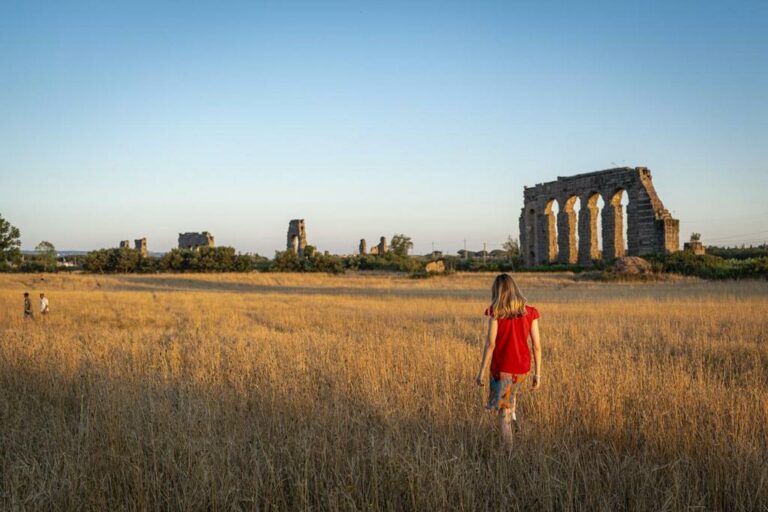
506, 298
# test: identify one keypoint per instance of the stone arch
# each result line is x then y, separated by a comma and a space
614, 241
567, 252
600, 205
589, 245
549, 227
640, 226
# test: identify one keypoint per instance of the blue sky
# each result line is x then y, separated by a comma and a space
123, 120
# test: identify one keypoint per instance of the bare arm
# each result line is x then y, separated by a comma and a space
490, 344
536, 342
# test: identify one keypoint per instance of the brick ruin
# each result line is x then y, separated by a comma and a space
381, 248
139, 245
695, 246
297, 237
651, 229
195, 240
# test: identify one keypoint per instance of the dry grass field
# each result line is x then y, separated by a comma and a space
294, 392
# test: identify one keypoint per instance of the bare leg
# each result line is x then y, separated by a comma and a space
505, 422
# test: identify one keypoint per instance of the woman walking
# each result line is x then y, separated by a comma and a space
511, 324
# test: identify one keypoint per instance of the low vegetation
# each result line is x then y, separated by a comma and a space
287, 392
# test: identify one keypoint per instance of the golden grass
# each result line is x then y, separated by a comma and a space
288, 392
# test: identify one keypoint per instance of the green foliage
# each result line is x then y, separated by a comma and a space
207, 259
204, 259
505, 264
511, 247
739, 253
695, 237
708, 266
10, 242
37, 265
401, 244
310, 261
389, 262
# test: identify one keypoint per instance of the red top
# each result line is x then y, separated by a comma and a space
511, 353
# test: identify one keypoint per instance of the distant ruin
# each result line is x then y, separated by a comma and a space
297, 237
363, 247
695, 246
544, 239
141, 246
376, 250
195, 240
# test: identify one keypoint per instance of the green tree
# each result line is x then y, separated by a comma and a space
47, 253
695, 237
10, 242
401, 244
511, 247
97, 261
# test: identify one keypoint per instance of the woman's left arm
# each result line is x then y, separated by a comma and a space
490, 344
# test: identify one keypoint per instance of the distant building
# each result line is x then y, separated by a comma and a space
695, 246
195, 240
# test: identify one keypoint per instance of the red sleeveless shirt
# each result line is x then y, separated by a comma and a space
512, 353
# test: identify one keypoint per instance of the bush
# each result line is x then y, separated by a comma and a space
311, 261
389, 262
708, 266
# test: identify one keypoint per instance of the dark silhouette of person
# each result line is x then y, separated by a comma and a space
27, 307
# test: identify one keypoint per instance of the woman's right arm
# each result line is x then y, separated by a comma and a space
490, 344
536, 341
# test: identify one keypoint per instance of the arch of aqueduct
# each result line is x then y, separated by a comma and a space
650, 227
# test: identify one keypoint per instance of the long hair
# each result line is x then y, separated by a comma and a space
506, 299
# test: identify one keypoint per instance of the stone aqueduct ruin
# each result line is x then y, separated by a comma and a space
546, 239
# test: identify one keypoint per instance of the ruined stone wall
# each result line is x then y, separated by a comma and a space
650, 227
195, 240
141, 246
297, 236
383, 247
125, 244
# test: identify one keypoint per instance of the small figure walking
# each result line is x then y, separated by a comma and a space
43, 304
506, 357
27, 307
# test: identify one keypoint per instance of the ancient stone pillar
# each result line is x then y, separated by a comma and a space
613, 227
545, 230
589, 249
363, 247
566, 233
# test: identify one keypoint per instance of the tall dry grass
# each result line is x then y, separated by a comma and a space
313, 392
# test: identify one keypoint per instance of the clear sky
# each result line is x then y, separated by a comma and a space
124, 120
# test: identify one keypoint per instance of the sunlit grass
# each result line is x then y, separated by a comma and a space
270, 391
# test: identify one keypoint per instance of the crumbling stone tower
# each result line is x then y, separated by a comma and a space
141, 246
297, 237
363, 247
651, 229
383, 247
125, 244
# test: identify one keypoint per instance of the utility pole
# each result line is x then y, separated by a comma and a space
485, 253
